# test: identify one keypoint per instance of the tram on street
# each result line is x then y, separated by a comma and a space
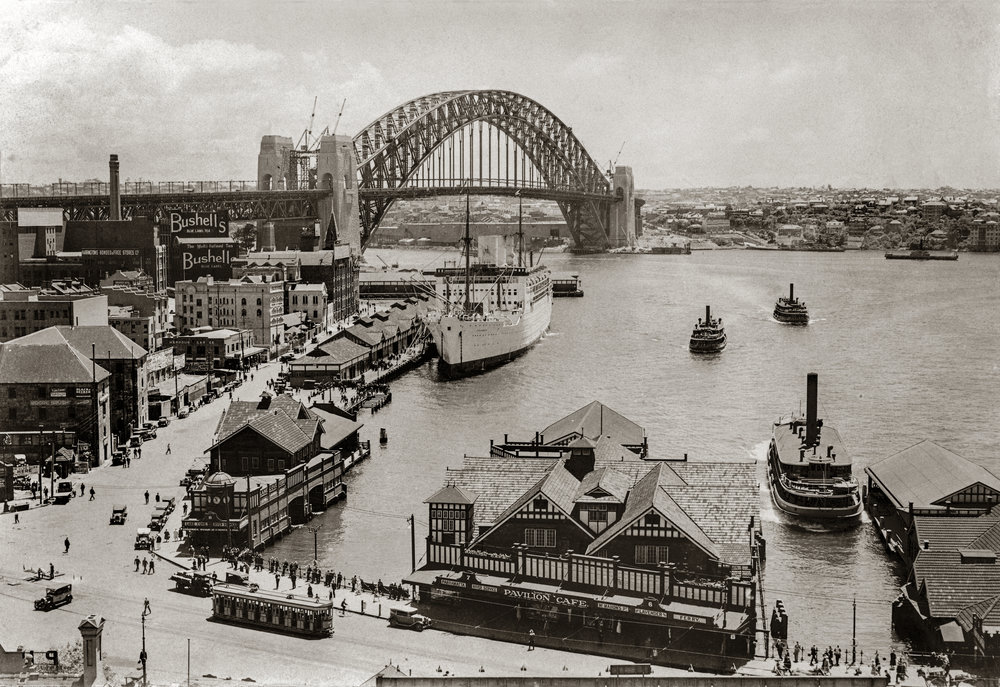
274, 611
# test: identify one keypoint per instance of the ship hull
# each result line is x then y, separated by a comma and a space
472, 346
810, 505
793, 317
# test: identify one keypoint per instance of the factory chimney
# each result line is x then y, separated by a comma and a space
812, 389
116, 199
268, 238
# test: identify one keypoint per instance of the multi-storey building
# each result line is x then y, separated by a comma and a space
26, 310
311, 300
49, 386
250, 302
148, 305
206, 349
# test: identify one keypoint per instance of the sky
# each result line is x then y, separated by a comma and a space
694, 93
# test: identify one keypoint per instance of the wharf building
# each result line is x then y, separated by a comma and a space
937, 512
275, 462
362, 346
250, 302
581, 538
53, 395
25, 310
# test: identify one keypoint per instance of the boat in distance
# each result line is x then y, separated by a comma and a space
493, 312
791, 310
708, 336
809, 469
921, 254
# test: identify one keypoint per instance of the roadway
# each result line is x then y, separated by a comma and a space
100, 567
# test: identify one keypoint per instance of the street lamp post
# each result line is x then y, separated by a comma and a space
314, 530
142, 654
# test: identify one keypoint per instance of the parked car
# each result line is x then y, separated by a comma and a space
184, 412
54, 597
408, 618
191, 582
118, 458
146, 433
163, 422
118, 515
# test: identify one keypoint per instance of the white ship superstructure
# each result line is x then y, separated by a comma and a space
508, 310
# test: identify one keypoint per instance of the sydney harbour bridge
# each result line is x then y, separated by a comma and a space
481, 142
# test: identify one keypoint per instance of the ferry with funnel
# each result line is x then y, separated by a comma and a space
791, 310
708, 336
809, 469
493, 312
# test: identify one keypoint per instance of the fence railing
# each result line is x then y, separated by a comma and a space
600, 575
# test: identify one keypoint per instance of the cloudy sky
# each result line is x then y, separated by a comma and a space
849, 93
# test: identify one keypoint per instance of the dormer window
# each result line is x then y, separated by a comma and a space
598, 512
652, 519
540, 504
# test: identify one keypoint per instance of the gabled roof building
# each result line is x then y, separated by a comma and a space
580, 527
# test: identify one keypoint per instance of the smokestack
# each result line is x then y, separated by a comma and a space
708, 314
791, 292
812, 388
268, 238
116, 199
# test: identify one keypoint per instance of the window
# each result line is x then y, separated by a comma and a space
255, 462
652, 519
12, 392
12, 414
244, 461
258, 312
270, 464
540, 537
648, 554
540, 504
281, 464
198, 302
598, 512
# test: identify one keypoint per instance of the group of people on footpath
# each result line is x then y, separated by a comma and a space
821, 662
148, 566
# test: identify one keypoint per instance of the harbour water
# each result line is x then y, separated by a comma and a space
905, 351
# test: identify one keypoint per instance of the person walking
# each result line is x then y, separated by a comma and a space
531, 640
91, 493
145, 565
52, 571
168, 449
152, 566
147, 496
81, 488
17, 517
157, 497
137, 564
66, 543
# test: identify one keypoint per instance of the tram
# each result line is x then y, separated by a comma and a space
275, 611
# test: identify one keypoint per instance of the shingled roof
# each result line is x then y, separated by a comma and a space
281, 420
926, 474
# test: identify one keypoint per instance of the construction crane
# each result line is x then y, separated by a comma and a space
305, 140
611, 165
337, 123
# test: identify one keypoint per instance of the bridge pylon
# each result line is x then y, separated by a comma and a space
623, 217
337, 171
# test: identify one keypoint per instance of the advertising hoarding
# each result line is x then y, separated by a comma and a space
214, 224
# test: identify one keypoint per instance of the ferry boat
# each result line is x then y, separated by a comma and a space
708, 336
809, 469
493, 312
791, 310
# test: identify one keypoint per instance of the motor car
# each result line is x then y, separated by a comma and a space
143, 538
64, 492
135, 441
55, 596
184, 412
146, 433
408, 618
118, 515
189, 582
149, 425
118, 458
163, 422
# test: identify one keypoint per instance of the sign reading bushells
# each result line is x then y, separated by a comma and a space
195, 224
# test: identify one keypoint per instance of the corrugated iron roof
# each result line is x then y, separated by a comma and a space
594, 420
926, 474
46, 360
952, 585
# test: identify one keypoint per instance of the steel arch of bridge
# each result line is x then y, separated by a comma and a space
394, 147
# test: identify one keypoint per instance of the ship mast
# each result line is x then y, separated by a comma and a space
520, 232
468, 245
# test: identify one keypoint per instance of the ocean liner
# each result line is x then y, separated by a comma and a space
493, 312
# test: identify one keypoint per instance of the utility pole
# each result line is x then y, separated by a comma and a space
314, 530
142, 655
413, 543
854, 632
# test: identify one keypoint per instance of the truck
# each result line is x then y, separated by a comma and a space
190, 582
54, 597
64, 492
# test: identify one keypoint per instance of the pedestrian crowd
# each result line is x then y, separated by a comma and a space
822, 661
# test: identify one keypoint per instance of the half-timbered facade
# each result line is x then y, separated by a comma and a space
579, 526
